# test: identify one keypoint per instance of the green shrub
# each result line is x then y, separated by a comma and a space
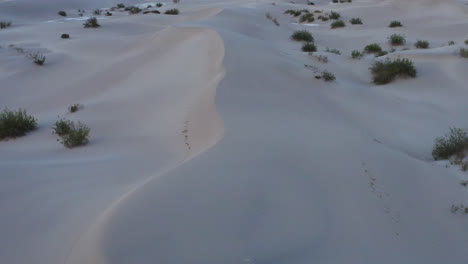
334, 51
464, 52
4, 24
75, 107
159, 5
386, 71
78, 136
356, 54
275, 21
466, 42
108, 13
173, 11
310, 3
395, 23
381, 53
328, 76
337, 24
16, 123
62, 127
308, 17
134, 10
396, 40
451, 43
65, 36
334, 15
355, 21
421, 44
453, 143
120, 6
38, 58
302, 35
309, 47
373, 48
91, 22
295, 13
97, 11
62, 13
268, 16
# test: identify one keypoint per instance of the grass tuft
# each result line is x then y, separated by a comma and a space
395, 23
355, 21
386, 71
91, 22
309, 47
373, 48
396, 40
302, 35
422, 44
454, 143
16, 123
338, 24
173, 11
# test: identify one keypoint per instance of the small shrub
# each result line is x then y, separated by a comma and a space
334, 51
75, 107
395, 23
302, 35
268, 16
62, 127
97, 11
386, 71
464, 52
159, 5
453, 143
466, 42
309, 47
307, 18
396, 40
334, 15
355, 21
173, 11
292, 12
328, 76
373, 48
134, 10
38, 58
16, 123
78, 136
65, 36
175, 1
465, 182
275, 21
337, 24
120, 6
356, 54
421, 44
92, 22
108, 13
310, 3
381, 53
4, 24
62, 13
451, 43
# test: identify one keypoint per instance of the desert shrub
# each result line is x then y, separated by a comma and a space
421, 44
320, 58
134, 10
62, 13
97, 11
74, 107
268, 16
38, 58
309, 47
173, 11
310, 3
175, 1
334, 15
120, 5
464, 52
91, 22
78, 135
328, 76
5, 24
108, 13
334, 51
381, 53
396, 40
453, 143
292, 12
62, 127
386, 71
275, 21
337, 24
16, 123
395, 23
65, 36
373, 48
159, 5
356, 54
466, 42
302, 35
355, 21
307, 18
451, 43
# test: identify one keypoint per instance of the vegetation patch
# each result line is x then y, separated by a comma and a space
91, 22
454, 143
74, 108
65, 36
309, 47
120, 5
293, 12
355, 21
386, 71
356, 54
38, 58
62, 13
381, 53
334, 15
302, 35
134, 10
464, 52
421, 44
5, 24
308, 17
159, 5
451, 43
328, 76
173, 11
395, 23
337, 24
396, 40
16, 123
334, 51
73, 135
373, 48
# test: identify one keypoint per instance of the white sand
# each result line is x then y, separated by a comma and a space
292, 170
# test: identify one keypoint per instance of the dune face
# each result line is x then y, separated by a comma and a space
212, 140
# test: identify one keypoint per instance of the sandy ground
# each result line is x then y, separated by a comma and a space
284, 169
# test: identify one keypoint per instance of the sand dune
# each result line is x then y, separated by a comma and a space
212, 143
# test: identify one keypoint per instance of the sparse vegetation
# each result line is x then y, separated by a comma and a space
451, 43
334, 15
381, 53
464, 52
62, 13
5, 24
292, 12
78, 136
395, 23
309, 47
173, 11
91, 22
159, 5
355, 21
133, 10
334, 51
421, 44
456, 142
38, 58
302, 35
65, 36
308, 17
75, 107
97, 11
274, 20
337, 24
16, 123
62, 127
466, 42
120, 5
356, 54
328, 76
310, 3
320, 58
386, 71
108, 13
396, 40
373, 48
